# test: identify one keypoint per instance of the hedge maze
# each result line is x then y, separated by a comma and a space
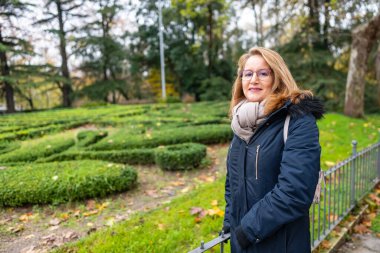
71, 154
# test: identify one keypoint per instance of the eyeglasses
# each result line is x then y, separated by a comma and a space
262, 74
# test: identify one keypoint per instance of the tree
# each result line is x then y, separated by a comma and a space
103, 55
64, 11
363, 38
11, 46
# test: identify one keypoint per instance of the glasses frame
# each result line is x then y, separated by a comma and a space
257, 75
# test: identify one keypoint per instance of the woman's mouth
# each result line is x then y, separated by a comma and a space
254, 89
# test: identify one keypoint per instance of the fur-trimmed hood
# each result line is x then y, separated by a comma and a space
306, 105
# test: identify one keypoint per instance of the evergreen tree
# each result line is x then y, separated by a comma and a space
12, 46
62, 11
103, 54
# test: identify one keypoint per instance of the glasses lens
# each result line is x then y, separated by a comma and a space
263, 73
247, 75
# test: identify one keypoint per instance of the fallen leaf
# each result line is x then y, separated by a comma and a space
197, 220
23, 218
332, 217
65, 216
367, 223
371, 216
215, 211
54, 222
102, 206
186, 189
214, 202
29, 236
110, 222
152, 193
206, 178
329, 163
177, 183
17, 228
86, 214
90, 204
325, 244
70, 236
195, 210
161, 226
361, 229
76, 213
4, 221
90, 224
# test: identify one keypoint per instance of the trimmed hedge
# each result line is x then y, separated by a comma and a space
6, 147
180, 157
206, 134
133, 156
88, 137
29, 133
41, 149
64, 181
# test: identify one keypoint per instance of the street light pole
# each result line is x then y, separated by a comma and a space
162, 59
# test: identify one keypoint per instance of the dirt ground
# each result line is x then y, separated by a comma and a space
40, 228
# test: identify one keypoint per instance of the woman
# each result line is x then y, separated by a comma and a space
270, 184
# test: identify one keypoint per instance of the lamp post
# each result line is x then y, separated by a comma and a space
162, 59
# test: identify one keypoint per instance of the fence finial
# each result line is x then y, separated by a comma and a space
354, 146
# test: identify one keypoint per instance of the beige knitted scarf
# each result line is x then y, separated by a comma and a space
246, 116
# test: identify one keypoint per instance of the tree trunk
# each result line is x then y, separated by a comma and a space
377, 68
314, 21
256, 24
363, 38
326, 24
66, 87
7, 87
210, 40
261, 23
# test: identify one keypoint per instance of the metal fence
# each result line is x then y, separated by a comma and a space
345, 184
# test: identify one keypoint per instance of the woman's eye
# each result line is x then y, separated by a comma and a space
263, 73
248, 74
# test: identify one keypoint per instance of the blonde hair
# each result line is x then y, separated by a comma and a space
284, 87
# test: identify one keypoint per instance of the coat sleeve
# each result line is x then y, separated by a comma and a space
292, 196
227, 197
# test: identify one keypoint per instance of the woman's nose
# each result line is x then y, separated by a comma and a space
254, 78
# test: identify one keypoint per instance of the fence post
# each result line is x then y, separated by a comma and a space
354, 145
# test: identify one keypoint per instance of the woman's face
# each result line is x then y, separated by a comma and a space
257, 79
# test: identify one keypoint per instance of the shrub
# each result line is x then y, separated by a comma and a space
64, 181
206, 134
6, 147
39, 131
31, 152
134, 156
180, 157
88, 137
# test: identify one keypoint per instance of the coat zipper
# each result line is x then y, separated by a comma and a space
257, 159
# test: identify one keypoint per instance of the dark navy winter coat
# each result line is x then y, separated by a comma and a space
270, 185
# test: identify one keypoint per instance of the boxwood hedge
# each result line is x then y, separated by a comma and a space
206, 134
6, 147
133, 156
180, 157
89, 137
31, 152
63, 181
